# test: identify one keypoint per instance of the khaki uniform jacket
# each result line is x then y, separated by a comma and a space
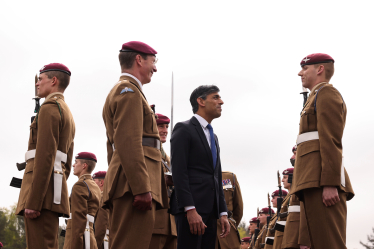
165, 222
318, 162
133, 168
84, 199
234, 203
101, 224
271, 231
261, 237
290, 237
53, 129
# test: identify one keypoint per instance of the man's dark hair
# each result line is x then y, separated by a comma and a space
201, 92
126, 59
63, 78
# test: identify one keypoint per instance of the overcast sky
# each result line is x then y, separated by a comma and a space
250, 49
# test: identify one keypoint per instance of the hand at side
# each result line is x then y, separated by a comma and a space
197, 225
143, 202
31, 214
225, 226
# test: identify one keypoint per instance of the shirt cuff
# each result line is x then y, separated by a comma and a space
223, 213
188, 208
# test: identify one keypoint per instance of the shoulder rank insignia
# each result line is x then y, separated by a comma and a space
127, 89
226, 183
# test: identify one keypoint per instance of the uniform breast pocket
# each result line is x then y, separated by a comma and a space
308, 120
149, 124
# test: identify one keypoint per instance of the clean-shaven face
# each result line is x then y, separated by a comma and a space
149, 67
44, 85
213, 105
78, 167
163, 132
286, 185
252, 227
263, 219
308, 74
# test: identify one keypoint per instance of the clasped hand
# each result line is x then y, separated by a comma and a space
143, 202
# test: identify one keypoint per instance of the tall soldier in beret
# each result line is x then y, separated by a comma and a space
234, 203
102, 215
44, 193
84, 204
164, 232
320, 178
134, 184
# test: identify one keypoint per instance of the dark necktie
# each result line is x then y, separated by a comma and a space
212, 145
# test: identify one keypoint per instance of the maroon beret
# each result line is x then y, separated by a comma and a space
246, 239
253, 220
316, 59
266, 211
1, 244
162, 119
276, 193
55, 67
294, 148
99, 174
288, 171
137, 46
86, 156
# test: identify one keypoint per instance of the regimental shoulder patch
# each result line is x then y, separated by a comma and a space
226, 183
127, 90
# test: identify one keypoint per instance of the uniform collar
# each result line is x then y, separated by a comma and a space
136, 79
317, 86
53, 94
88, 176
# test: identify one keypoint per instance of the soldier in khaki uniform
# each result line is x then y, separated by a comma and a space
320, 179
164, 232
84, 204
260, 240
293, 235
102, 215
44, 194
234, 203
269, 240
134, 184
244, 243
252, 228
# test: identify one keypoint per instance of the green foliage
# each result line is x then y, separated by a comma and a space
12, 229
370, 241
243, 229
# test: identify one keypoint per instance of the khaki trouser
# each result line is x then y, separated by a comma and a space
42, 232
126, 221
326, 225
160, 241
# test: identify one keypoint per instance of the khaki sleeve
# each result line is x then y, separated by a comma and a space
330, 125
69, 160
101, 224
237, 203
79, 197
128, 134
48, 125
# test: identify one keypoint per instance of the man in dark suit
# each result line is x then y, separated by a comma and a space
198, 200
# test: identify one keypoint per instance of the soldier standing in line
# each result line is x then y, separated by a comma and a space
165, 231
252, 228
44, 193
134, 185
260, 240
84, 204
293, 235
270, 234
102, 215
234, 203
244, 243
320, 179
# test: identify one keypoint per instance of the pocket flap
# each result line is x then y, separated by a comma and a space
308, 147
29, 166
152, 153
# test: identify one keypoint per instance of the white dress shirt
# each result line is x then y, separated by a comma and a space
136, 79
204, 125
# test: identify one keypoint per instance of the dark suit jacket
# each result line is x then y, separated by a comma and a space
196, 181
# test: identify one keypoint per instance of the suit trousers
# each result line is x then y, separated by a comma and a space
161, 241
42, 232
326, 225
187, 240
126, 222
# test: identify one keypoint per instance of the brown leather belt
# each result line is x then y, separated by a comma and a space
148, 141
151, 142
